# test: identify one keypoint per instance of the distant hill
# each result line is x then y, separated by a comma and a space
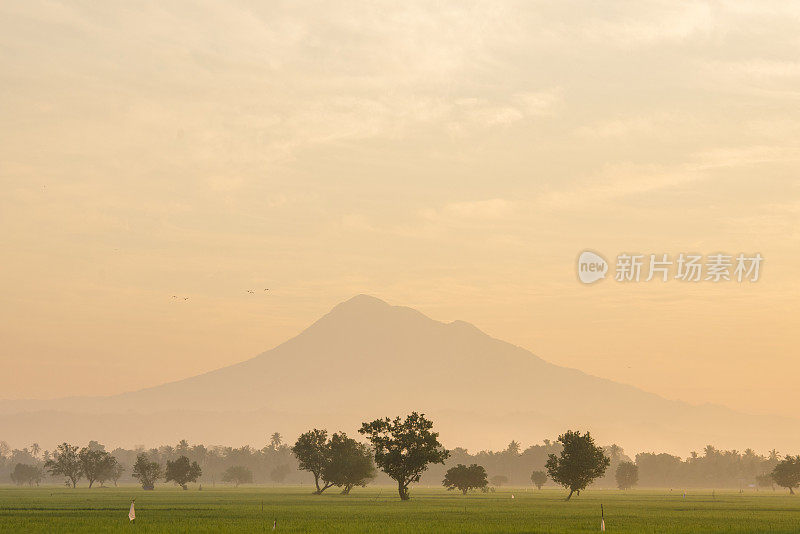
368, 359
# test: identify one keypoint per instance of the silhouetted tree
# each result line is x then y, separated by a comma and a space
146, 472
349, 463
26, 474
787, 473
238, 474
182, 471
96, 464
580, 462
275, 440
404, 448
66, 463
662, 470
465, 478
627, 475
538, 478
312, 455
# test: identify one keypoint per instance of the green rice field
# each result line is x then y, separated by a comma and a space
376, 509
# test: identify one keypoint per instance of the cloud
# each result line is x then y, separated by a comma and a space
478, 210
657, 123
618, 180
224, 183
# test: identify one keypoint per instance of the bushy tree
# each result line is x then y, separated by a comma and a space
787, 473
664, 470
26, 474
404, 448
538, 478
465, 478
146, 472
182, 471
66, 463
349, 463
627, 475
96, 464
312, 455
238, 474
580, 462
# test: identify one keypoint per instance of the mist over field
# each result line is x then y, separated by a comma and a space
366, 359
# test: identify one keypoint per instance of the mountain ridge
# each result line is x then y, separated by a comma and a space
366, 358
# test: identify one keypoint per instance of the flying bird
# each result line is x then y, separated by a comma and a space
266, 290
252, 291
185, 298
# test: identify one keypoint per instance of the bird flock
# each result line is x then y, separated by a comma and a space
248, 291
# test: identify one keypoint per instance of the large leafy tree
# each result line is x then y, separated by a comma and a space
627, 475
404, 448
786, 473
182, 471
66, 463
146, 472
311, 450
465, 478
538, 478
349, 463
97, 464
580, 462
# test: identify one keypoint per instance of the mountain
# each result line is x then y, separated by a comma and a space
368, 359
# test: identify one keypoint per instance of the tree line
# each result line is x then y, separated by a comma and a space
403, 451
274, 463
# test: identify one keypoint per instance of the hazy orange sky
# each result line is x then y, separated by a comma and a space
453, 157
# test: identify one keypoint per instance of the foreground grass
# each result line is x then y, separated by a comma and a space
252, 509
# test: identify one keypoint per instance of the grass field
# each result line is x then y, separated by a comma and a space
252, 509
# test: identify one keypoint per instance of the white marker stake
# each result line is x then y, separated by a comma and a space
602, 520
132, 512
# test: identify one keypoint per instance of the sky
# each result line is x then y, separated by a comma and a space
455, 157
